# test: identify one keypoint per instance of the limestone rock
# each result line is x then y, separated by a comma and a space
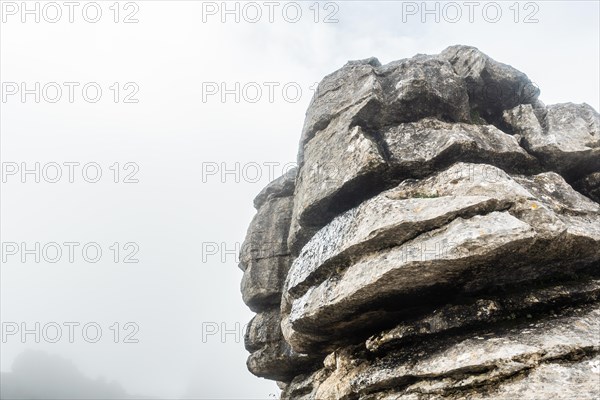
348, 88
265, 260
426, 146
358, 138
493, 87
480, 228
264, 255
567, 139
280, 187
416, 88
488, 309
337, 162
357, 164
377, 224
375, 95
440, 239
490, 364
490, 356
271, 356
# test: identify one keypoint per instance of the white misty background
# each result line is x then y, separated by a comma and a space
169, 134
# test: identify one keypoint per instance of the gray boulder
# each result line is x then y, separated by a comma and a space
440, 239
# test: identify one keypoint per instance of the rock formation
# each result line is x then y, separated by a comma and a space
440, 238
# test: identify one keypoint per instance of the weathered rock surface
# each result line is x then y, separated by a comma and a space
492, 86
566, 140
439, 240
402, 91
272, 357
359, 165
280, 187
264, 257
265, 260
487, 308
478, 229
357, 139
494, 355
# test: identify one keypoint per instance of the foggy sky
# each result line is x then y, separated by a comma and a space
187, 215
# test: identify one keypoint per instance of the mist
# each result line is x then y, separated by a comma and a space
123, 209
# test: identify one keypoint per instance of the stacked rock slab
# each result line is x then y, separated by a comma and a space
265, 260
440, 239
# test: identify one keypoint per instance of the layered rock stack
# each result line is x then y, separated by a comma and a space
440, 239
